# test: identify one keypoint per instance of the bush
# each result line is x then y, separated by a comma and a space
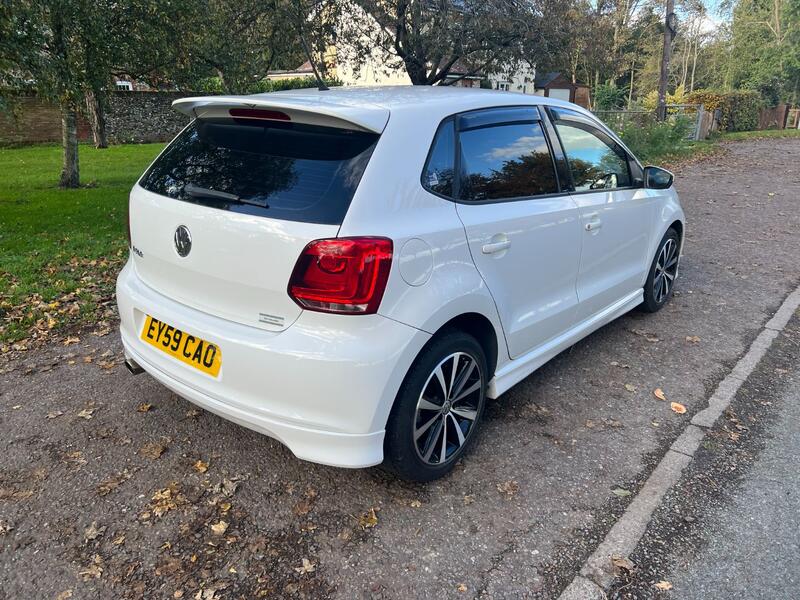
650, 101
607, 96
710, 99
739, 111
656, 140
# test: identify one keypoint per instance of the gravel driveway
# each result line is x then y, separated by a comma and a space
111, 486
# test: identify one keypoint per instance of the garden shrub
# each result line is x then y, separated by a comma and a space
656, 140
739, 110
710, 99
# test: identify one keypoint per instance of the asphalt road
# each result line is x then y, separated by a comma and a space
545, 481
728, 528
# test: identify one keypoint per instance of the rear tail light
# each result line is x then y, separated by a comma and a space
342, 275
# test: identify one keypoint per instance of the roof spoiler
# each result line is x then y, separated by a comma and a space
300, 109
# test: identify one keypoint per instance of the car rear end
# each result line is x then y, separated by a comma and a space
238, 294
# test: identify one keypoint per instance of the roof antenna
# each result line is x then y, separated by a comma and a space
320, 83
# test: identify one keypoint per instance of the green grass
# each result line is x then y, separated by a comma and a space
754, 135
60, 249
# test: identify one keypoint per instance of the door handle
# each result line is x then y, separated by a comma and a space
498, 246
593, 222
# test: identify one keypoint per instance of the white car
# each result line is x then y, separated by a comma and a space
355, 271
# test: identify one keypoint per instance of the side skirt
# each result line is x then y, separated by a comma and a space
518, 369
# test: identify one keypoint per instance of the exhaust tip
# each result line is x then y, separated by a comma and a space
133, 366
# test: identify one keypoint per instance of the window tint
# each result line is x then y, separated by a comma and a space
595, 161
506, 161
438, 175
285, 171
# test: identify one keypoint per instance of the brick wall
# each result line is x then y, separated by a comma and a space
132, 117
32, 121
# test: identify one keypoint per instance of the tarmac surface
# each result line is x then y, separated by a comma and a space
102, 494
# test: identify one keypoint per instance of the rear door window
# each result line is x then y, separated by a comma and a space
288, 171
505, 161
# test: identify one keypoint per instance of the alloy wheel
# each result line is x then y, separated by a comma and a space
666, 270
448, 408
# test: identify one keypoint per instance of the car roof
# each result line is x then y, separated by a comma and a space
369, 107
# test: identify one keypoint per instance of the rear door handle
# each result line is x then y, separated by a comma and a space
498, 246
593, 222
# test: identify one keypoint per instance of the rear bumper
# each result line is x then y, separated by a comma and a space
323, 387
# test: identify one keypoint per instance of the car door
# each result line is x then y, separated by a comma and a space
616, 212
523, 233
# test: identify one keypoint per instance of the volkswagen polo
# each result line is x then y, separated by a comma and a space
354, 272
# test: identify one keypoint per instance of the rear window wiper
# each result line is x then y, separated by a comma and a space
195, 191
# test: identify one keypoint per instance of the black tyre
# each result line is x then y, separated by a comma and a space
438, 409
663, 272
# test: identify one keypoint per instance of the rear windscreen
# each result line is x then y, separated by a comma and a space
287, 171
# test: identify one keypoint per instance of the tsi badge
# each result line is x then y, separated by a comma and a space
183, 241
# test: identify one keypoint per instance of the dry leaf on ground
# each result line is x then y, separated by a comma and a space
630, 387
678, 407
659, 393
509, 488
692, 339
152, 450
92, 532
307, 567
219, 528
622, 563
144, 407
664, 585
368, 519
86, 413
200, 466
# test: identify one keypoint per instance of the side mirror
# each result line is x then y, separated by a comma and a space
656, 178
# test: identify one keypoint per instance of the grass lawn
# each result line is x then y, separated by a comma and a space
61, 249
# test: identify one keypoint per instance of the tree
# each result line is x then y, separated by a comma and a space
428, 37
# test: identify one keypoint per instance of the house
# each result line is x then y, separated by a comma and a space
556, 85
348, 64
518, 79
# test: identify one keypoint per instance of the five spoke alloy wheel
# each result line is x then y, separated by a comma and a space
447, 408
666, 270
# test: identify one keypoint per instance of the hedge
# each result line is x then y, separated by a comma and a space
738, 110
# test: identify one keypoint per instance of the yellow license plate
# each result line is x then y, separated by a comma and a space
194, 351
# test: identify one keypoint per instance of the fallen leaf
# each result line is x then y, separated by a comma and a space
5, 527
200, 466
118, 541
94, 570
469, 499
92, 532
109, 485
303, 507
307, 567
152, 450
86, 413
219, 528
368, 519
621, 492
461, 588
144, 407
64, 595
630, 387
693, 339
509, 488
622, 563
415, 504
71, 340
54, 414
659, 393
678, 407
166, 499
663, 585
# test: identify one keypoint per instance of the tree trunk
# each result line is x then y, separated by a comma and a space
661, 112
70, 176
97, 118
